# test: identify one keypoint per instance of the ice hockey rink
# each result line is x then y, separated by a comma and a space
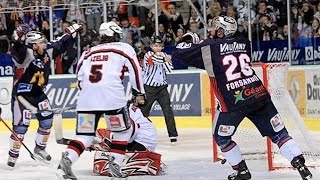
190, 159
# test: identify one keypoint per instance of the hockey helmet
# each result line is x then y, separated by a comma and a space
34, 37
228, 24
110, 31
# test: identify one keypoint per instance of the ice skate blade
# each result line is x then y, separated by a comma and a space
116, 178
39, 158
62, 176
173, 143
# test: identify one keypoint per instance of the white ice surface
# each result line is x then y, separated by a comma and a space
190, 159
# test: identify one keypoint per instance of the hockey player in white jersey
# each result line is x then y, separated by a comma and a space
100, 73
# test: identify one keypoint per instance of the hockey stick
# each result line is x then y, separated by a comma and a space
15, 136
57, 120
33, 109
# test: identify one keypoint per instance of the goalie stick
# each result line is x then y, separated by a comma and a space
57, 120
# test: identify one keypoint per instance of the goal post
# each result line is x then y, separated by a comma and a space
252, 145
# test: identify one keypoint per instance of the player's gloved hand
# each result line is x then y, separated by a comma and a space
73, 29
20, 32
138, 99
190, 37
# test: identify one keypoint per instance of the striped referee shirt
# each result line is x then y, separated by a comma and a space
155, 69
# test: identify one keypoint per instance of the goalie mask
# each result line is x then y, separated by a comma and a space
110, 32
227, 24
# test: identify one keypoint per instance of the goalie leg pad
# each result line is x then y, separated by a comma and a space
135, 163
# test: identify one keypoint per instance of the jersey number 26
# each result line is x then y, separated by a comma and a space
234, 62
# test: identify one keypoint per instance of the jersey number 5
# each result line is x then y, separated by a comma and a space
233, 62
96, 74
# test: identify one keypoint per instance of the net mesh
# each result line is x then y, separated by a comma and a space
277, 80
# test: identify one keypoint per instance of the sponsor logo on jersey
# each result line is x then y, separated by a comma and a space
86, 123
246, 93
238, 95
277, 123
183, 45
115, 121
225, 130
234, 47
23, 87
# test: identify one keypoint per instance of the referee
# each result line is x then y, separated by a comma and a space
156, 65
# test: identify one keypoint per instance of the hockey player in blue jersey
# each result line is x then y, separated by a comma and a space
227, 62
32, 55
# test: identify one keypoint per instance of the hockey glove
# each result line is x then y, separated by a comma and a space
73, 29
20, 32
138, 99
190, 37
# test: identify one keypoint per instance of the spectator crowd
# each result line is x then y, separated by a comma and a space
269, 20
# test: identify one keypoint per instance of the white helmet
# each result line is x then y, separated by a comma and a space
191, 36
34, 37
109, 29
228, 24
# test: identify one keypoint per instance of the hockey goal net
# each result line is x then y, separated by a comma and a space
253, 145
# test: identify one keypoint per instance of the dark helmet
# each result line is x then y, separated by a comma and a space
156, 39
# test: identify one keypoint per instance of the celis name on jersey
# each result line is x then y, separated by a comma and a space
234, 47
100, 58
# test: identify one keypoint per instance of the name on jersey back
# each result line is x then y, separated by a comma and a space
100, 58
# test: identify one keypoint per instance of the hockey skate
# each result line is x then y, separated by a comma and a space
115, 170
12, 161
242, 172
298, 163
64, 169
42, 155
